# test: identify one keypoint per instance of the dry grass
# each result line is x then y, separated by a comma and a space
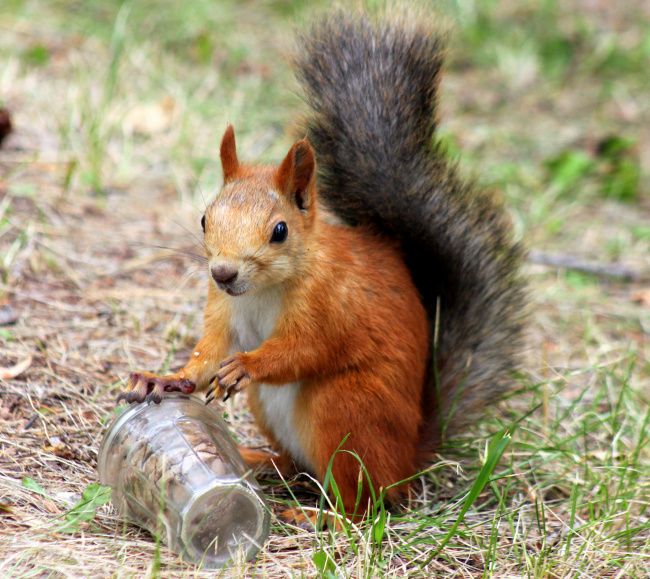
118, 114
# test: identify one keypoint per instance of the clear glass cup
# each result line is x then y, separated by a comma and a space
175, 470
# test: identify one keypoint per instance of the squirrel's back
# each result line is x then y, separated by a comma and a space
372, 88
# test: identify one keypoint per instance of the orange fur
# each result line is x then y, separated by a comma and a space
348, 348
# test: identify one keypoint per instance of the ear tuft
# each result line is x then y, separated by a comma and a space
229, 161
297, 174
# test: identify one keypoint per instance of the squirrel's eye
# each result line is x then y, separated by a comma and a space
203, 223
280, 232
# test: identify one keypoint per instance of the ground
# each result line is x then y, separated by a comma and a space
117, 112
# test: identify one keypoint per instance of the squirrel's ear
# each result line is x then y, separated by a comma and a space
297, 174
229, 161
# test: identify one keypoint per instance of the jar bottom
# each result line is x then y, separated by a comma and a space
225, 524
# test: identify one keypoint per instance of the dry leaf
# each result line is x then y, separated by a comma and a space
59, 448
7, 316
150, 119
13, 371
642, 297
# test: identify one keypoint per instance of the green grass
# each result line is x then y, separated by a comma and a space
119, 109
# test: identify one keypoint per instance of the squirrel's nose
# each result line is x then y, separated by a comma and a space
224, 273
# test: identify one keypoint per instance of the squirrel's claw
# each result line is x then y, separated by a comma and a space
136, 389
232, 376
210, 391
209, 395
149, 387
241, 384
154, 396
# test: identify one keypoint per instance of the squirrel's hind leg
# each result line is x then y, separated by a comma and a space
380, 428
256, 458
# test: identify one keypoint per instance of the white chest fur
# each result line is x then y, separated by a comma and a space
278, 404
252, 322
253, 319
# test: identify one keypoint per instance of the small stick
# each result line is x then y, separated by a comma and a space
571, 262
30, 422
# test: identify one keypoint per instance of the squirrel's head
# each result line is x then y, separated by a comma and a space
258, 229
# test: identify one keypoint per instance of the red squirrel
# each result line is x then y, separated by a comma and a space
361, 291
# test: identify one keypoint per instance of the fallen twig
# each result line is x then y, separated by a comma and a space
563, 260
13, 371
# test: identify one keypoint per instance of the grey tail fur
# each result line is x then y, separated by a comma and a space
372, 88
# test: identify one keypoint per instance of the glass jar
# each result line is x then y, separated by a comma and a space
175, 470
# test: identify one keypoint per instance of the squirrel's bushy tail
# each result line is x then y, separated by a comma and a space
372, 87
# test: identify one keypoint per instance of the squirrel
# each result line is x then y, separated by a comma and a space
367, 297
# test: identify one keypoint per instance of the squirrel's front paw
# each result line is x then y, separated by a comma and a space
232, 376
150, 387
